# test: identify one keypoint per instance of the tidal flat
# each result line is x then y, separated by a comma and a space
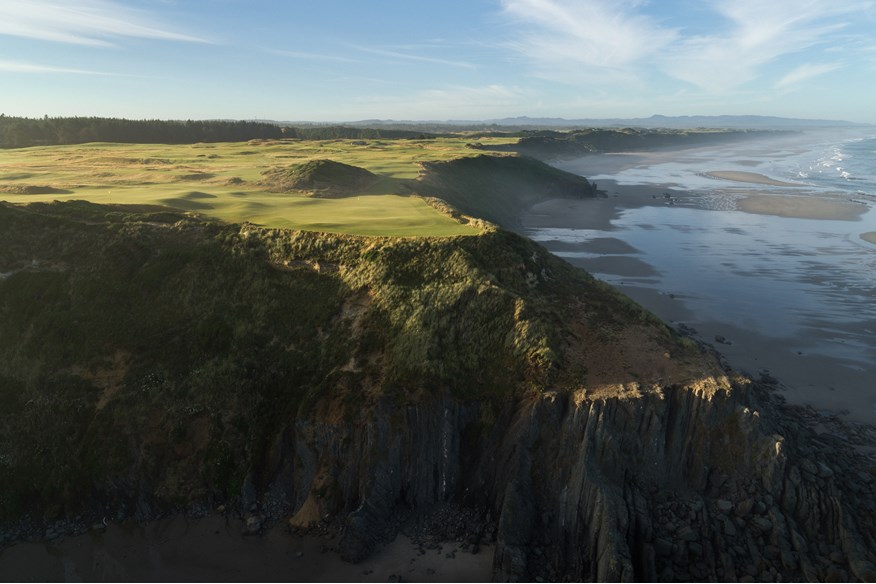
779, 275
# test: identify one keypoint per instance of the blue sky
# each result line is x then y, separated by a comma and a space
343, 60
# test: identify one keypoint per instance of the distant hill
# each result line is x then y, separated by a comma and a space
548, 145
655, 121
682, 122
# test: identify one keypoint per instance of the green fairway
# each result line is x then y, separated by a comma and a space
223, 181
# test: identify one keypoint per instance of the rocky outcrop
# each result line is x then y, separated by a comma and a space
692, 482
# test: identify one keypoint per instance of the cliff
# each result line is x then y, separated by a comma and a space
498, 188
152, 362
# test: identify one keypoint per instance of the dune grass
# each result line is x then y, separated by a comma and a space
223, 181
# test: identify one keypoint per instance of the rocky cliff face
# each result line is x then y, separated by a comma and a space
334, 378
686, 483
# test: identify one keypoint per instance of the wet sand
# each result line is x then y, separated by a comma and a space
804, 377
835, 382
749, 177
802, 207
214, 549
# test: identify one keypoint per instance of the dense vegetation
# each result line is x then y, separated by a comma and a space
142, 351
334, 132
16, 132
19, 132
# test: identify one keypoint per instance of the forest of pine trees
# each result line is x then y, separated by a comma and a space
17, 132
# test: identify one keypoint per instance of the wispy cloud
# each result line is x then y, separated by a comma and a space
18, 67
621, 41
307, 56
82, 22
805, 72
594, 33
399, 55
755, 34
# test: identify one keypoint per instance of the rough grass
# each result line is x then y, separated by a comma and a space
231, 172
141, 335
322, 178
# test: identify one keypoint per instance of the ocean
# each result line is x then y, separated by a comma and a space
787, 296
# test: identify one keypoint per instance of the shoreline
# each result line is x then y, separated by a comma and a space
813, 370
214, 548
749, 177
600, 212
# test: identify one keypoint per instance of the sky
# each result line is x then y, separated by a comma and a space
346, 60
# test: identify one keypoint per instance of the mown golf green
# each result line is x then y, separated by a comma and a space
227, 181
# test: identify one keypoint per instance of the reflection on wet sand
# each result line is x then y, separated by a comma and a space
784, 281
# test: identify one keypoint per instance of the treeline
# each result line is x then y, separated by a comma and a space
18, 132
317, 132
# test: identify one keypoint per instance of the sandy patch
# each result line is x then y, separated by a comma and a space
870, 236
749, 177
802, 207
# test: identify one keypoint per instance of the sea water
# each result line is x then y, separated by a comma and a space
775, 286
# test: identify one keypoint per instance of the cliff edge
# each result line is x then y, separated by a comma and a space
152, 362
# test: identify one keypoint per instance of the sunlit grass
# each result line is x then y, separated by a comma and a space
222, 181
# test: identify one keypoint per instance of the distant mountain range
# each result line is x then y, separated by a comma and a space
655, 121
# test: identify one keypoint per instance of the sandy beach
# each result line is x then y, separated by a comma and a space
869, 237
214, 549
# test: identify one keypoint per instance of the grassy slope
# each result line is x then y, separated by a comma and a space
153, 352
144, 349
224, 181
323, 178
